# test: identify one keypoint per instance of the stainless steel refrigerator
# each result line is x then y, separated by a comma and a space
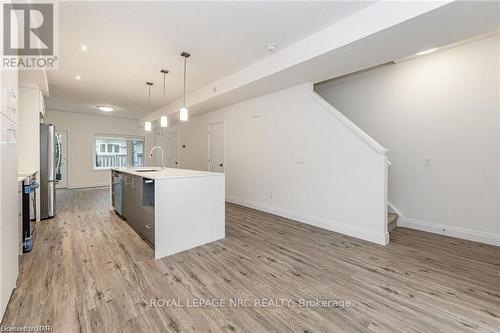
47, 171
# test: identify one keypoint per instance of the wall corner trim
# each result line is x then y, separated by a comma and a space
452, 231
381, 238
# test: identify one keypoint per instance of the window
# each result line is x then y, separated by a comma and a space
115, 151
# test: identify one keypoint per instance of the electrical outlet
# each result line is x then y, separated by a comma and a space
299, 160
428, 160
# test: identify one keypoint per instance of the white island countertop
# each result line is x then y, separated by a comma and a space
157, 173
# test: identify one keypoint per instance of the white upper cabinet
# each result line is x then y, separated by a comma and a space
30, 109
9, 95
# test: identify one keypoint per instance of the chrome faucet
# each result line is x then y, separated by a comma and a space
151, 154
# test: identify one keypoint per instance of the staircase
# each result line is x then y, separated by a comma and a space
392, 219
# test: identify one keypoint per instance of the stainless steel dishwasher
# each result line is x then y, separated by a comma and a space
117, 192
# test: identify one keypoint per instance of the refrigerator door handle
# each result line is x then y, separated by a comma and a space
51, 155
52, 198
59, 153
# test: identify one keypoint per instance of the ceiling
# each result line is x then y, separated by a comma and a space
129, 42
439, 27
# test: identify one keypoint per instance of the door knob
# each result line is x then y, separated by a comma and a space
221, 165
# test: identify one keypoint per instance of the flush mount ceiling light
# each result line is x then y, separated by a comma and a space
105, 108
83, 47
78, 77
270, 47
427, 51
184, 112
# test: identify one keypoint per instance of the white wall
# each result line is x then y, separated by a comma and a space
339, 186
81, 129
445, 105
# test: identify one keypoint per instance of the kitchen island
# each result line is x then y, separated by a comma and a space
172, 209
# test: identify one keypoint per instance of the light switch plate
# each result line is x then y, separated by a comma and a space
428, 160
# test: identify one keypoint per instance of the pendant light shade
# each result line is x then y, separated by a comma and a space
163, 121
147, 126
184, 113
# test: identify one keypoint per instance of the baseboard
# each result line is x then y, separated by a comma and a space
442, 229
361, 233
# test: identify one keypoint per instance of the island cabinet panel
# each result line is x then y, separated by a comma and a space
190, 212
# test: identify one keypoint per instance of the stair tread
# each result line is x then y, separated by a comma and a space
392, 217
391, 221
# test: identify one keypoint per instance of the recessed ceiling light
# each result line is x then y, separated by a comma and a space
84, 47
78, 77
271, 47
427, 51
106, 108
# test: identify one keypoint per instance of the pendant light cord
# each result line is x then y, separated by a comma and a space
164, 72
149, 91
184, 97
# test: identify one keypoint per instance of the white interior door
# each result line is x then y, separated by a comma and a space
172, 161
62, 159
216, 147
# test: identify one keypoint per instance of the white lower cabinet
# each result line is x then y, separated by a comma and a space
20, 217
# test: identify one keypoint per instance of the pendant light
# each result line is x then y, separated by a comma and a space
147, 124
164, 119
184, 110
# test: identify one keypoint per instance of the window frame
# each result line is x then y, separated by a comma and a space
107, 136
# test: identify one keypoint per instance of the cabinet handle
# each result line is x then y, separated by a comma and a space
148, 181
148, 226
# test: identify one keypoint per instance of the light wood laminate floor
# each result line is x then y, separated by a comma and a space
89, 272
